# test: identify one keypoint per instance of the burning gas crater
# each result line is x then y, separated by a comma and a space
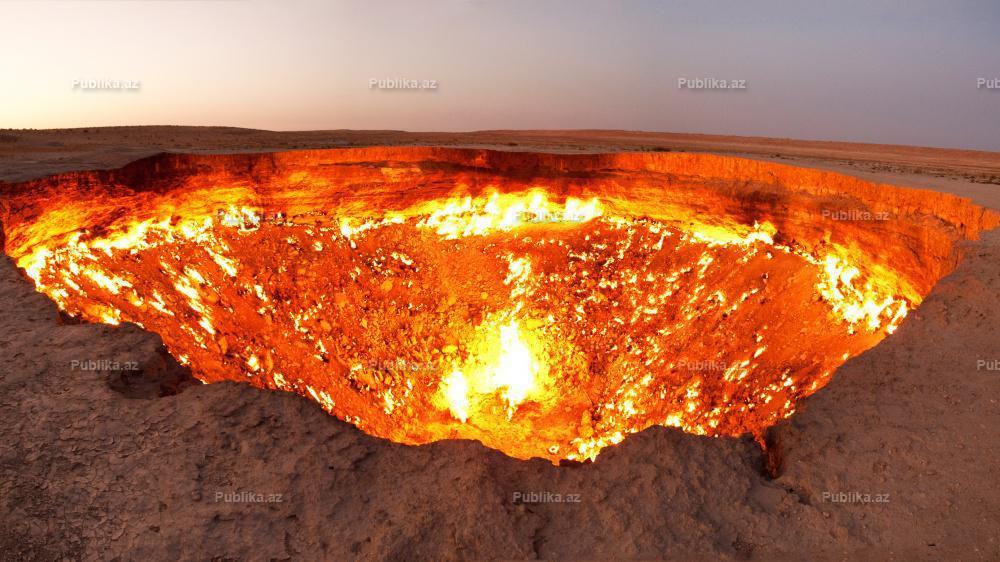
539, 323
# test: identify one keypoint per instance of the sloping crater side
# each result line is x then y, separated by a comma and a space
546, 305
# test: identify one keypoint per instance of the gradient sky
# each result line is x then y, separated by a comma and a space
901, 72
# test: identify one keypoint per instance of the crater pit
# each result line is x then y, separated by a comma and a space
545, 305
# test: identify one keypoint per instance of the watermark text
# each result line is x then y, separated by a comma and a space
401, 84
710, 84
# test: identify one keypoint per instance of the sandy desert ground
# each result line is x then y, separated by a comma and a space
96, 467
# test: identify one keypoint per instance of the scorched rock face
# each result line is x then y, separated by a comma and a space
544, 305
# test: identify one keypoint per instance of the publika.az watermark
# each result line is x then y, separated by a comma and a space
710, 84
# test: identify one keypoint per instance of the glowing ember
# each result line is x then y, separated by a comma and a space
540, 324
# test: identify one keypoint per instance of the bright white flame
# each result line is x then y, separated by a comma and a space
516, 369
510, 369
455, 390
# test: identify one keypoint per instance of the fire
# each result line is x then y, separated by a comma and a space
502, 366
516, 368
455, 391
486, 381
538, 322
858, 305
468, 216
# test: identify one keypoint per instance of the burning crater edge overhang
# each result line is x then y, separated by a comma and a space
544, 304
